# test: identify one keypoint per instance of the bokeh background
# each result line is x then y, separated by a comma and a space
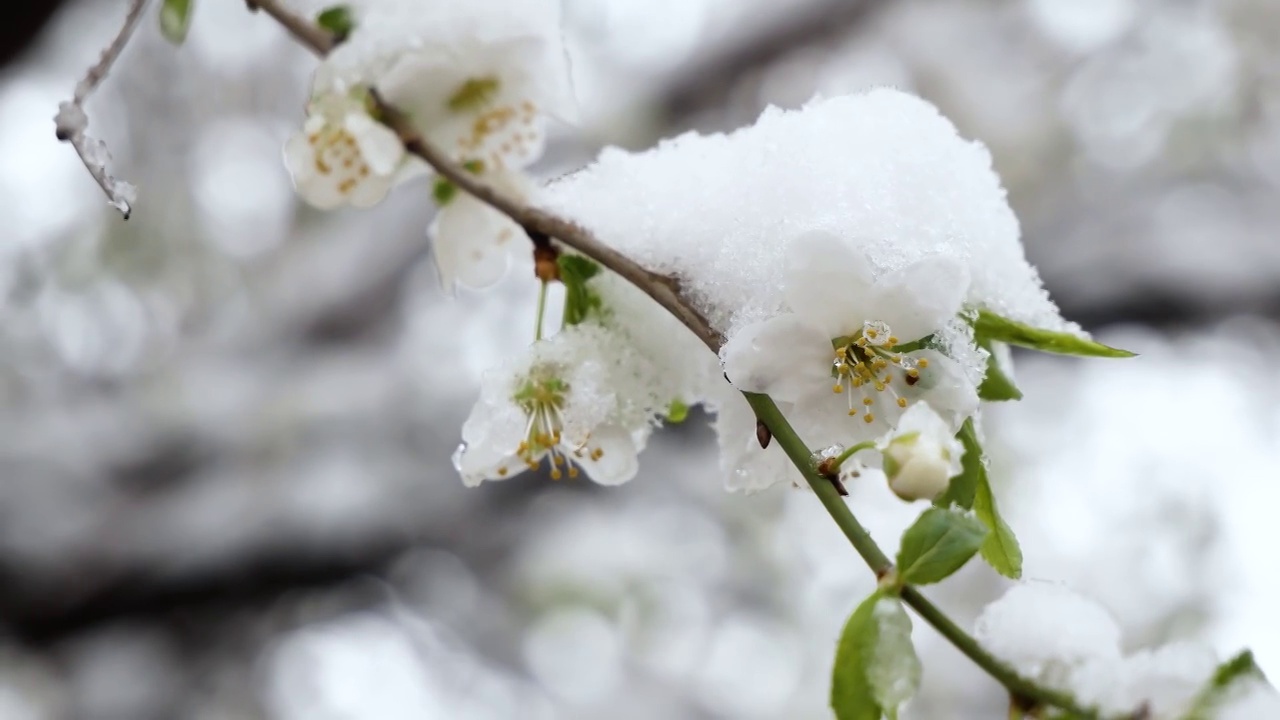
225, 425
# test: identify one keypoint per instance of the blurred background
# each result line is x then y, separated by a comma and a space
225, 428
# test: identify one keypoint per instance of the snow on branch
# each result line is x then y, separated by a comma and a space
72, 121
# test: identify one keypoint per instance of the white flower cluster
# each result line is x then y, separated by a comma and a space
1052, 635
476, 79
839, 249
588, 396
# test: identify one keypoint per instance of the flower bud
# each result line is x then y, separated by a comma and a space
921, 455
918, 469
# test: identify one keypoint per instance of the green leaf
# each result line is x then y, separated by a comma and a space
1000, 549
579, 299
175, 19
893, 668
852, 696
677, 411
1239, 669
988, 326
337, 20
996, 385
964, 486
938, 544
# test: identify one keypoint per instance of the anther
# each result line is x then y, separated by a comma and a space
902, 402
869, 418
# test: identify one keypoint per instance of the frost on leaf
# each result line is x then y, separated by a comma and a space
893, 669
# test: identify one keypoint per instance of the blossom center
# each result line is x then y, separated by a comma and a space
543, 401
338, 156
499, 129
866, 365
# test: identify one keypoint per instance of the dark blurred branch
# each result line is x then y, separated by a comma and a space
710, 85
22, 24
72, 121
67, 609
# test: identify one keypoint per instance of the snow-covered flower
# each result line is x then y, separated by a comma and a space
844, 336
921, 455
345, 156
555, 402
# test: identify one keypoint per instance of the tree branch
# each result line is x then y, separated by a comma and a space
666, 292
880, 564
72, 121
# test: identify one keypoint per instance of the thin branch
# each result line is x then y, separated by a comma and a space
881, 565
303, 30
666, 292
72, 121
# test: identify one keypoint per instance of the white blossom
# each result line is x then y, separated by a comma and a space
472, 242
921, 455
838, 347
480, 102
555, 402
345, 156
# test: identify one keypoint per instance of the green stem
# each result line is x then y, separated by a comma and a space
802, 458
542, 310
839, 459
785, 435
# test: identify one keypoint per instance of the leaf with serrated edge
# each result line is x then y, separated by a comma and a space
939, 543
1000, 549
962, 487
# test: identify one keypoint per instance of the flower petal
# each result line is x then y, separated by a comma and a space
471, 243
920, 298
828, 283
379, 146
745, 465
945, 387
369, 191
609, 457
783, 356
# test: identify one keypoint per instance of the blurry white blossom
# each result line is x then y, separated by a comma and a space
1079, 651
343, 155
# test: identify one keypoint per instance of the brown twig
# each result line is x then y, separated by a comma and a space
664, 290
772, 424
72, 121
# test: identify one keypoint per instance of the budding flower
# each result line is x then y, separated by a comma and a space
921, 456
